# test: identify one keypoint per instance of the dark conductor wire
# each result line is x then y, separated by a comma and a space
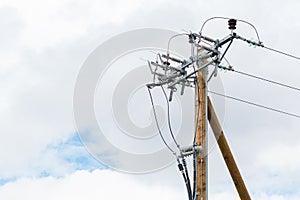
182, 167
184, 170
267, 80
281, 52
255, 104
156, 121
197, 95
186, 179
261, 78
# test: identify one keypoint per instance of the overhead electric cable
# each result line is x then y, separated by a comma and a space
169, 118
157, 124
185, 171
227, 18
171, 38
267, 80
261, 78
281, 52
255, 104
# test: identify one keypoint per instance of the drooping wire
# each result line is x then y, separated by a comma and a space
185, 170
255, 104
171, 38
157, 124
183, 167
209, 19
169, 118
227, 18
257, 35
181, 164
246, 22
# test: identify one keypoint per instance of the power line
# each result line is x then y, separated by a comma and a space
256, 32
255, 104
185, 170
281, 52
169, 118
174, 76
261, 78
156, 121
197, 110
267, 80
227, 18
257, 35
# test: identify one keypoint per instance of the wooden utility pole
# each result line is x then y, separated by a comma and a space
201, 134
204, 112
227, 155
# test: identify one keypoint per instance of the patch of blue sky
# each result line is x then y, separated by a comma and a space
7, 180
278, 185
73, 153
286, 192
70, 155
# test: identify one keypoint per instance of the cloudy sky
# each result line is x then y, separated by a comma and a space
43, 47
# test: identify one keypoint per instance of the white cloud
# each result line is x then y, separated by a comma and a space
87, 185
44, 44
281, 157
49, 23
105, 184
